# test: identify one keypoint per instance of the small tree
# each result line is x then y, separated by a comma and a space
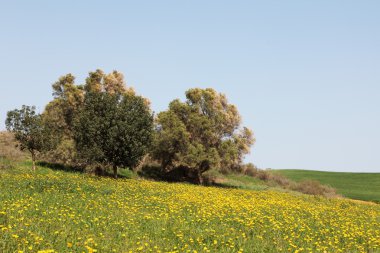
29, 131
113, 129
201, 133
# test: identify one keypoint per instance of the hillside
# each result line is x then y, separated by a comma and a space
9, 149
361, 186
58, 211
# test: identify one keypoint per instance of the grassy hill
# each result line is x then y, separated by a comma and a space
57, 211
361, 186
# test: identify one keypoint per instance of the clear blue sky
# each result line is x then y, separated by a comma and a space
305, 75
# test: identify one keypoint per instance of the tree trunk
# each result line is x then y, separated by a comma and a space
115, 171
34, 161
204, 166
199, 177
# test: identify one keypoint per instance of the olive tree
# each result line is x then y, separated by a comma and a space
201, 133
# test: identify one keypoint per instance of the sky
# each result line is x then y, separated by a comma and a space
305, 75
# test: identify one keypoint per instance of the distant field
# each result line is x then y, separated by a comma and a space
361, 186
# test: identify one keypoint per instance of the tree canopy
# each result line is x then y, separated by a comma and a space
113, 129
29, 130
68, 99
201, 133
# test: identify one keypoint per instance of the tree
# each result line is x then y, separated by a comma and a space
69, 97
68, 100
113, 129
201, 133
58, 116
29, 130
112, 83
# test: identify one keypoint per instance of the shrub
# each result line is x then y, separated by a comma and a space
65, 153
312, 187
274, 179
263, 175
250, 170
279, 179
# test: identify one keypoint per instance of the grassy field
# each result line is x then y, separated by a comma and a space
242, 182
361, 186
56, 211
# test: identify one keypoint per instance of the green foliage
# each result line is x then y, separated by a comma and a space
112, 83
63, 153
58, 116
103, 123
68, 99
29, 130
201, 133
249, 169
113, 129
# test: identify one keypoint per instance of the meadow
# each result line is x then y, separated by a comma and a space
56, 211
361, 186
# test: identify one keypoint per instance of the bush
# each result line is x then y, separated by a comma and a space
279, 179
274, 179
312, 187
263, 175
65, 153
250, 170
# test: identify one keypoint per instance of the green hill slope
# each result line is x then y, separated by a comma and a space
361, 186
56, 211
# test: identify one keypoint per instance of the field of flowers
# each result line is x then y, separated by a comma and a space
55, 211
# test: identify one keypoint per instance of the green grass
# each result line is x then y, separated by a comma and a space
245, 182
360, 186
59, 211
241, 181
